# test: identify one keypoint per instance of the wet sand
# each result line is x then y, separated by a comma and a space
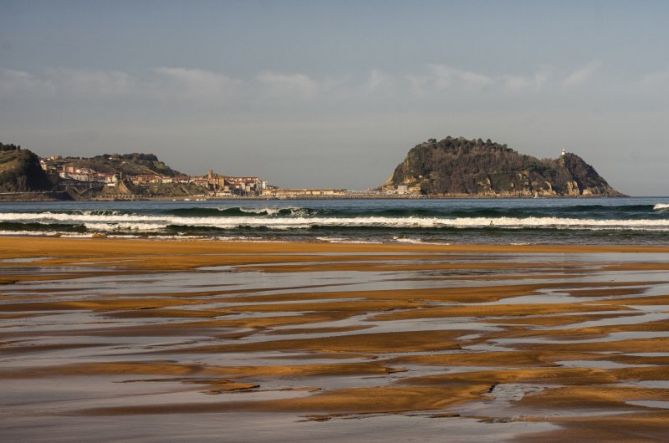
161, 340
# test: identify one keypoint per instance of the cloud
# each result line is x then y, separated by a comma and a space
191, 83
581, 75
289, 85
159, 83
16, 82
91, 83
653, 83
206, 88
66, 82
515, 84
444, 77
378, 80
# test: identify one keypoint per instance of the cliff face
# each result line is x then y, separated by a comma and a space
20, 171
457, 166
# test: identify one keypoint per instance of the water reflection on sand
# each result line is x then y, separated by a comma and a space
335, 346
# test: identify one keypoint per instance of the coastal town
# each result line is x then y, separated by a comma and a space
122, 177
211, 183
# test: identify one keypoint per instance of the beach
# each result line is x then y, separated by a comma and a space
334, 222
162, 340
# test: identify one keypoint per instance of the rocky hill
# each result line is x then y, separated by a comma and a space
458, 166
20, 171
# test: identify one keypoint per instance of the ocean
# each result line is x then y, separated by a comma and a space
444, 221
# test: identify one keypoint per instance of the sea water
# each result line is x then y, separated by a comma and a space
505, 221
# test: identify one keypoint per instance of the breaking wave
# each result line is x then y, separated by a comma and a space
413, 222
448, 210
158, 222
238, 211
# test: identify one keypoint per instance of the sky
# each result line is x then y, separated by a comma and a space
334, 93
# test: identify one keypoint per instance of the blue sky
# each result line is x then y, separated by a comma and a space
310, 93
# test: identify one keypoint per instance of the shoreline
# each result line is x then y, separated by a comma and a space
22, 244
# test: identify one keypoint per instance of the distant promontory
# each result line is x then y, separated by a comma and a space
452, 167
26, 176
463, 167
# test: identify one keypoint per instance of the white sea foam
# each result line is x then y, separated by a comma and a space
661, 207
268, 211
362, 242
417, 241
45, 234
115, 227
140, 222
331, 239
348, 241
238, 238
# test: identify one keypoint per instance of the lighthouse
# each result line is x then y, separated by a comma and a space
564, 151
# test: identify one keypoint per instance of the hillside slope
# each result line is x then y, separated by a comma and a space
127, 164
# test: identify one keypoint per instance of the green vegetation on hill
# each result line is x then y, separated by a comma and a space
20, 171
458, 166
127, 164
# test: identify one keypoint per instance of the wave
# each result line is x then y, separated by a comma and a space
153, 223
238, 211
125, 227
20, 233
331, 239
344, 240
41, 227
445, 210
417, 241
